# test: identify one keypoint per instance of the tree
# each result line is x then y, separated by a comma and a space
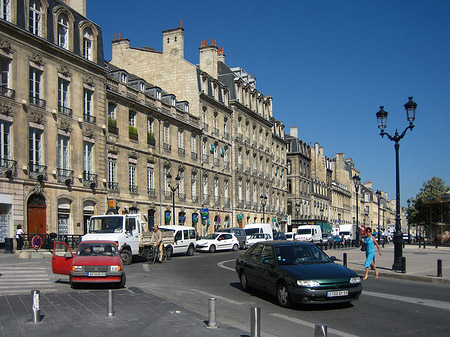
423, 210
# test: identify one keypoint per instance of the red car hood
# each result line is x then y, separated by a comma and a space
97, 260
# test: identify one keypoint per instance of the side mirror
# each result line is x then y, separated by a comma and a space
68, 255
333, 258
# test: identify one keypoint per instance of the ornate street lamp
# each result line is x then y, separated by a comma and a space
379, 197
263, 204
410, 108
173, 189
357, 182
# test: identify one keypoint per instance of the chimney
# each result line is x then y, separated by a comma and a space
220, 56
173, 41
78, 5
209, 58
293, 131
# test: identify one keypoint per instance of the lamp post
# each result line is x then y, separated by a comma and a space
378, 193
409, 232
357, 181
410, 108
173, 189
263, 204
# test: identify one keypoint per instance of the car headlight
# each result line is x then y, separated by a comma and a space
77, 268
115, 268
355, 280
308, 283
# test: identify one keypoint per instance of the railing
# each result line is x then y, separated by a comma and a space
205, 127
5, 91
226, 202
37, 171
216, 200
216, 161
167, 195
113, 186
89, 118
65, 110
37, 101
226, 165
89, 179
194, 156
205, 158
216, 131
48, 240
151, 192
167, 147
181, 196
241, 203
133, 136
194, 198
205, 198
181, 151
113, 130
151, 141
8, 167
133, 189
65, 176
226, 135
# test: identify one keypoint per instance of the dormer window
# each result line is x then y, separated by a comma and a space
123, 78
35, 18
63, 32
141, 86
5, 10
87, 44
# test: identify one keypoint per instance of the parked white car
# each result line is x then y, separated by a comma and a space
258, 237
290, 236
217, 241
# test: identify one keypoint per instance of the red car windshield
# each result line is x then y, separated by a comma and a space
97, 249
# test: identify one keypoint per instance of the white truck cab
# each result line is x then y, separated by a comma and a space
125, 229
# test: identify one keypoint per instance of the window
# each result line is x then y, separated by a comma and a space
181, 185
35, 149
165, 181
216, 188
87, 44
193, 186
150, 180
63, 32
88, 161
240, 189
63, 153
112, 111
112, 173
123, 77
35, 85
204, 147
166, 134
180, 139
5, 10
35, 18
132, 118
247, 190
142, 86
255, 199
132, 177
88, 111
150, 125
4, 76
193, 144
205, 187
225, 189
63, 95
5, 142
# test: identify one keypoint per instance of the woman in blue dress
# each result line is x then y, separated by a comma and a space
370, 243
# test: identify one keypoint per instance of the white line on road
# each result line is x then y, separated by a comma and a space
221, 265
312, 325
413, 300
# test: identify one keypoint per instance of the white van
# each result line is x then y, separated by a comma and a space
184, 239
309, 233
256, 228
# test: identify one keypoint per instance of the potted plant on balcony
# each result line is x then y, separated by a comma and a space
150, 138
132, 131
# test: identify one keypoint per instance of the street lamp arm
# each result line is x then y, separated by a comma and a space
396, 138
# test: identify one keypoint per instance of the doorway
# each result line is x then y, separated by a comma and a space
37, 215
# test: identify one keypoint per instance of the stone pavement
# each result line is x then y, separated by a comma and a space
137, 313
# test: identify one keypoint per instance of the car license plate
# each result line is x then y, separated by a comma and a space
96, 274
337, 293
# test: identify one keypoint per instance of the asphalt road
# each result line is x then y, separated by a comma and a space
387, 307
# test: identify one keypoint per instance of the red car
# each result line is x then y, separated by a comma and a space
94, 262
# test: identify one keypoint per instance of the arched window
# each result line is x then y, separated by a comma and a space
35, 18
63, 31
87, 44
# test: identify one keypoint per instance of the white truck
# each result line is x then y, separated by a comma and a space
309, 233
128, 231
349, 231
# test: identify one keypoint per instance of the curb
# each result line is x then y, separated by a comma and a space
401, 276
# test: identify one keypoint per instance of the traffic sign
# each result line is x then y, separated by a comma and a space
36, 242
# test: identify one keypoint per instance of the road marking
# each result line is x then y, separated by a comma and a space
21, 279
312, 325
219, 297
221, 265
413, 300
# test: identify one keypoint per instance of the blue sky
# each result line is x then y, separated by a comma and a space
329, 65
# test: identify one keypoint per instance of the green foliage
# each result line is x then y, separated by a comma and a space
112, 122
132, 130
150, 135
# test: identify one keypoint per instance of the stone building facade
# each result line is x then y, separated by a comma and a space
52, 118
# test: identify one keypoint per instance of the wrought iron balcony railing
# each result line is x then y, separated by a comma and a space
7, 92
89, 179
37, 171
65, 176
8, 167
65, 110
89, 118
37, 101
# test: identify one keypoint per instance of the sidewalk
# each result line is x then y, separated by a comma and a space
137, 313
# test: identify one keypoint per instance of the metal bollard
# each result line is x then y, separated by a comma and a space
345, 260
255, 322
439, 268
403, 264
110, 309
420, 243
320, 330
383, 244
36, 312
423, 243
212, 313
326, 246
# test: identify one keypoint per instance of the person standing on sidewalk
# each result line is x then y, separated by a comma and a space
158, 244
19, 237
370, 243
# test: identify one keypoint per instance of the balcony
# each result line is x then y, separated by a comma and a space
89, 179
89, 118
65, 176
113, 186
226, 202
205, 127
226, 135
37, 101
205, 158
151, 141
133, 136
240, 137
37, 171
226, 165
194, 156
248, 205
167, 195
181, 196
241, 203
206, 198
216, 162
5, 91
194, 199
63, 110
167, 147
151, 192
8, 167
181, 152
216, 131
240, 167
133, 189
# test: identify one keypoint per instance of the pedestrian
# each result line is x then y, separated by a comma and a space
19, 237
157, 242
370, 242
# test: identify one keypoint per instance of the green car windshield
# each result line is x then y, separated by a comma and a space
300, 254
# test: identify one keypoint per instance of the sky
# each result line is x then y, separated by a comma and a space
329, 65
